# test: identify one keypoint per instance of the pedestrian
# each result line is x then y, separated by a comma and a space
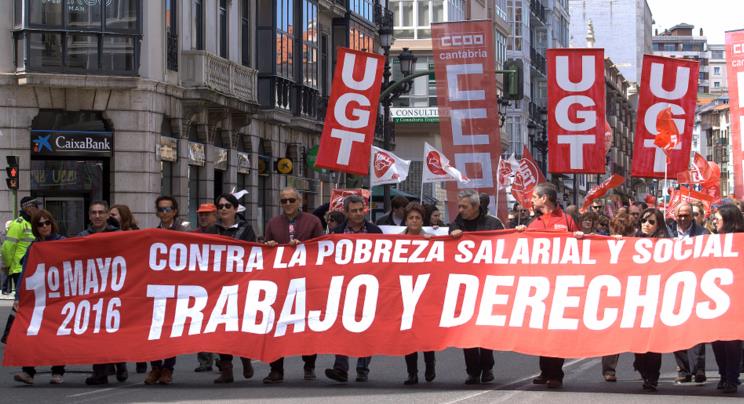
206, 217
17, 240
123, 217
355, 209
333, 219
545, 201
634, 210
603, 223
478, 361
698, 213
99, 217
433, 216
685, 228
231, 224
649, 364
396, 216
621, 225
588, 222
291, 227
415, 214
728, 354
44, 228
166, 209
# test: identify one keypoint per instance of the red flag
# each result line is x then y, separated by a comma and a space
684, 194
735, 78
698, 173
526, 179
338, 195
668, 137
600, 190
712, 186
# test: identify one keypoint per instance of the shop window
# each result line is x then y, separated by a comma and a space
197, 24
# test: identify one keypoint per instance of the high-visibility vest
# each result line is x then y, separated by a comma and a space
17, 241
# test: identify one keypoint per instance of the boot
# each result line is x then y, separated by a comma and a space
412, 379
430, 372
247, 367
122, 374
166, 376
153, 376
226, 373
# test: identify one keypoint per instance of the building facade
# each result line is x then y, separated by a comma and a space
715, 133
717, 61
679, 42
125, 100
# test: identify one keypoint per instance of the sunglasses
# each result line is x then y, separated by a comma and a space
224, 206
683, 216
165, 209
44, 223
285, 201
649, 221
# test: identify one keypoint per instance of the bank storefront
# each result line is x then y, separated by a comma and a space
70, 164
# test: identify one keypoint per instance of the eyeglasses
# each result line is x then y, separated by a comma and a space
224, 206
683, 216
44, 223
649, 221
285, 201
165, 209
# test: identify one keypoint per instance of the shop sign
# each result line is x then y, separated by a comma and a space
197, 156
168, 149
77, 143
415, 115
263, 165
220, 162
284, 166
244, 163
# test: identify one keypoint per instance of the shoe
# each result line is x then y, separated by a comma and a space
274, 377
729, 388
554, 384
226, 373
97, 380
56, 379
153, 376
247, 368
362, 377
540, 380
141, 367
110, 369
610, 377
721, 385
122, 374
430, 373
310, 374
487, 376
700, 377
472, 379
166, 376
412, 379
649, 386
24, 377
203, 369
337, 375
683, 379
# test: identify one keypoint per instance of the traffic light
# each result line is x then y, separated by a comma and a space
514, 82
12, 171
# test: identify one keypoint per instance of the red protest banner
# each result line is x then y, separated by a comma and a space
526, 178
349, 125
600, 190
338, 195
576, 110
468, 109
665, 83
735, 74
150, 294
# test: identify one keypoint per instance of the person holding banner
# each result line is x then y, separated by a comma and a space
44, 228
396, 216
728, 219
232, 225
478, 361
414, 217
354, 207
291, 227
649, 364
545, 200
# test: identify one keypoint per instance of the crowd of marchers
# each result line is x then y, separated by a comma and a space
614, 217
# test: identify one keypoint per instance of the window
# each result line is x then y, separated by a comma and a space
284, 40
362, 8
197, 24
245, 32
361, 38
171, 30
223, 28
716, 70
74, 36
716, 84
717, 54
310, 43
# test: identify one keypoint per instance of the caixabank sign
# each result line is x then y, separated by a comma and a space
71, 143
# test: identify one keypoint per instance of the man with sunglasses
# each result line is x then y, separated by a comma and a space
292, 227
686, 227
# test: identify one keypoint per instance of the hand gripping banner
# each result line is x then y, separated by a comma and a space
149, 294
665, 83
576, 111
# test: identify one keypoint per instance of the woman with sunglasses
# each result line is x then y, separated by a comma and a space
44, 228
588, 222
649, 363
728, 354
231, 224
414, 219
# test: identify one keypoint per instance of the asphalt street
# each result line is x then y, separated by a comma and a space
514, 373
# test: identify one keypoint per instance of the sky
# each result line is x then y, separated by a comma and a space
713, 16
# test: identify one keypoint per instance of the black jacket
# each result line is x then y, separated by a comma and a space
90, 230
387, 220
243, 230
482, 222
368, 227
695, 230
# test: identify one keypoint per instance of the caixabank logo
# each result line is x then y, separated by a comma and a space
71, 143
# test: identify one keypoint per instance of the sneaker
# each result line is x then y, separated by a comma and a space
649, 386
203, 368
721, 384
362, 377
166, 376
700, 377
337, 375
153, 376
274, 377
310, 374
540, 380
472, 379
610, 377
729, 388
487, 376
554, 383
24, 377
683, 379
56, 379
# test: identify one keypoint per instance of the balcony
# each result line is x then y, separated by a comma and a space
538, 11
537, 61
203, 70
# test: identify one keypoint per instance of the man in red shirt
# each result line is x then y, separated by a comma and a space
545, 200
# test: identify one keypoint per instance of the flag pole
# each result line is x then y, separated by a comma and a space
664, 192
498, 185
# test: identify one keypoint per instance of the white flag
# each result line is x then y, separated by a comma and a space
387, 168
437, 168
507, 170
